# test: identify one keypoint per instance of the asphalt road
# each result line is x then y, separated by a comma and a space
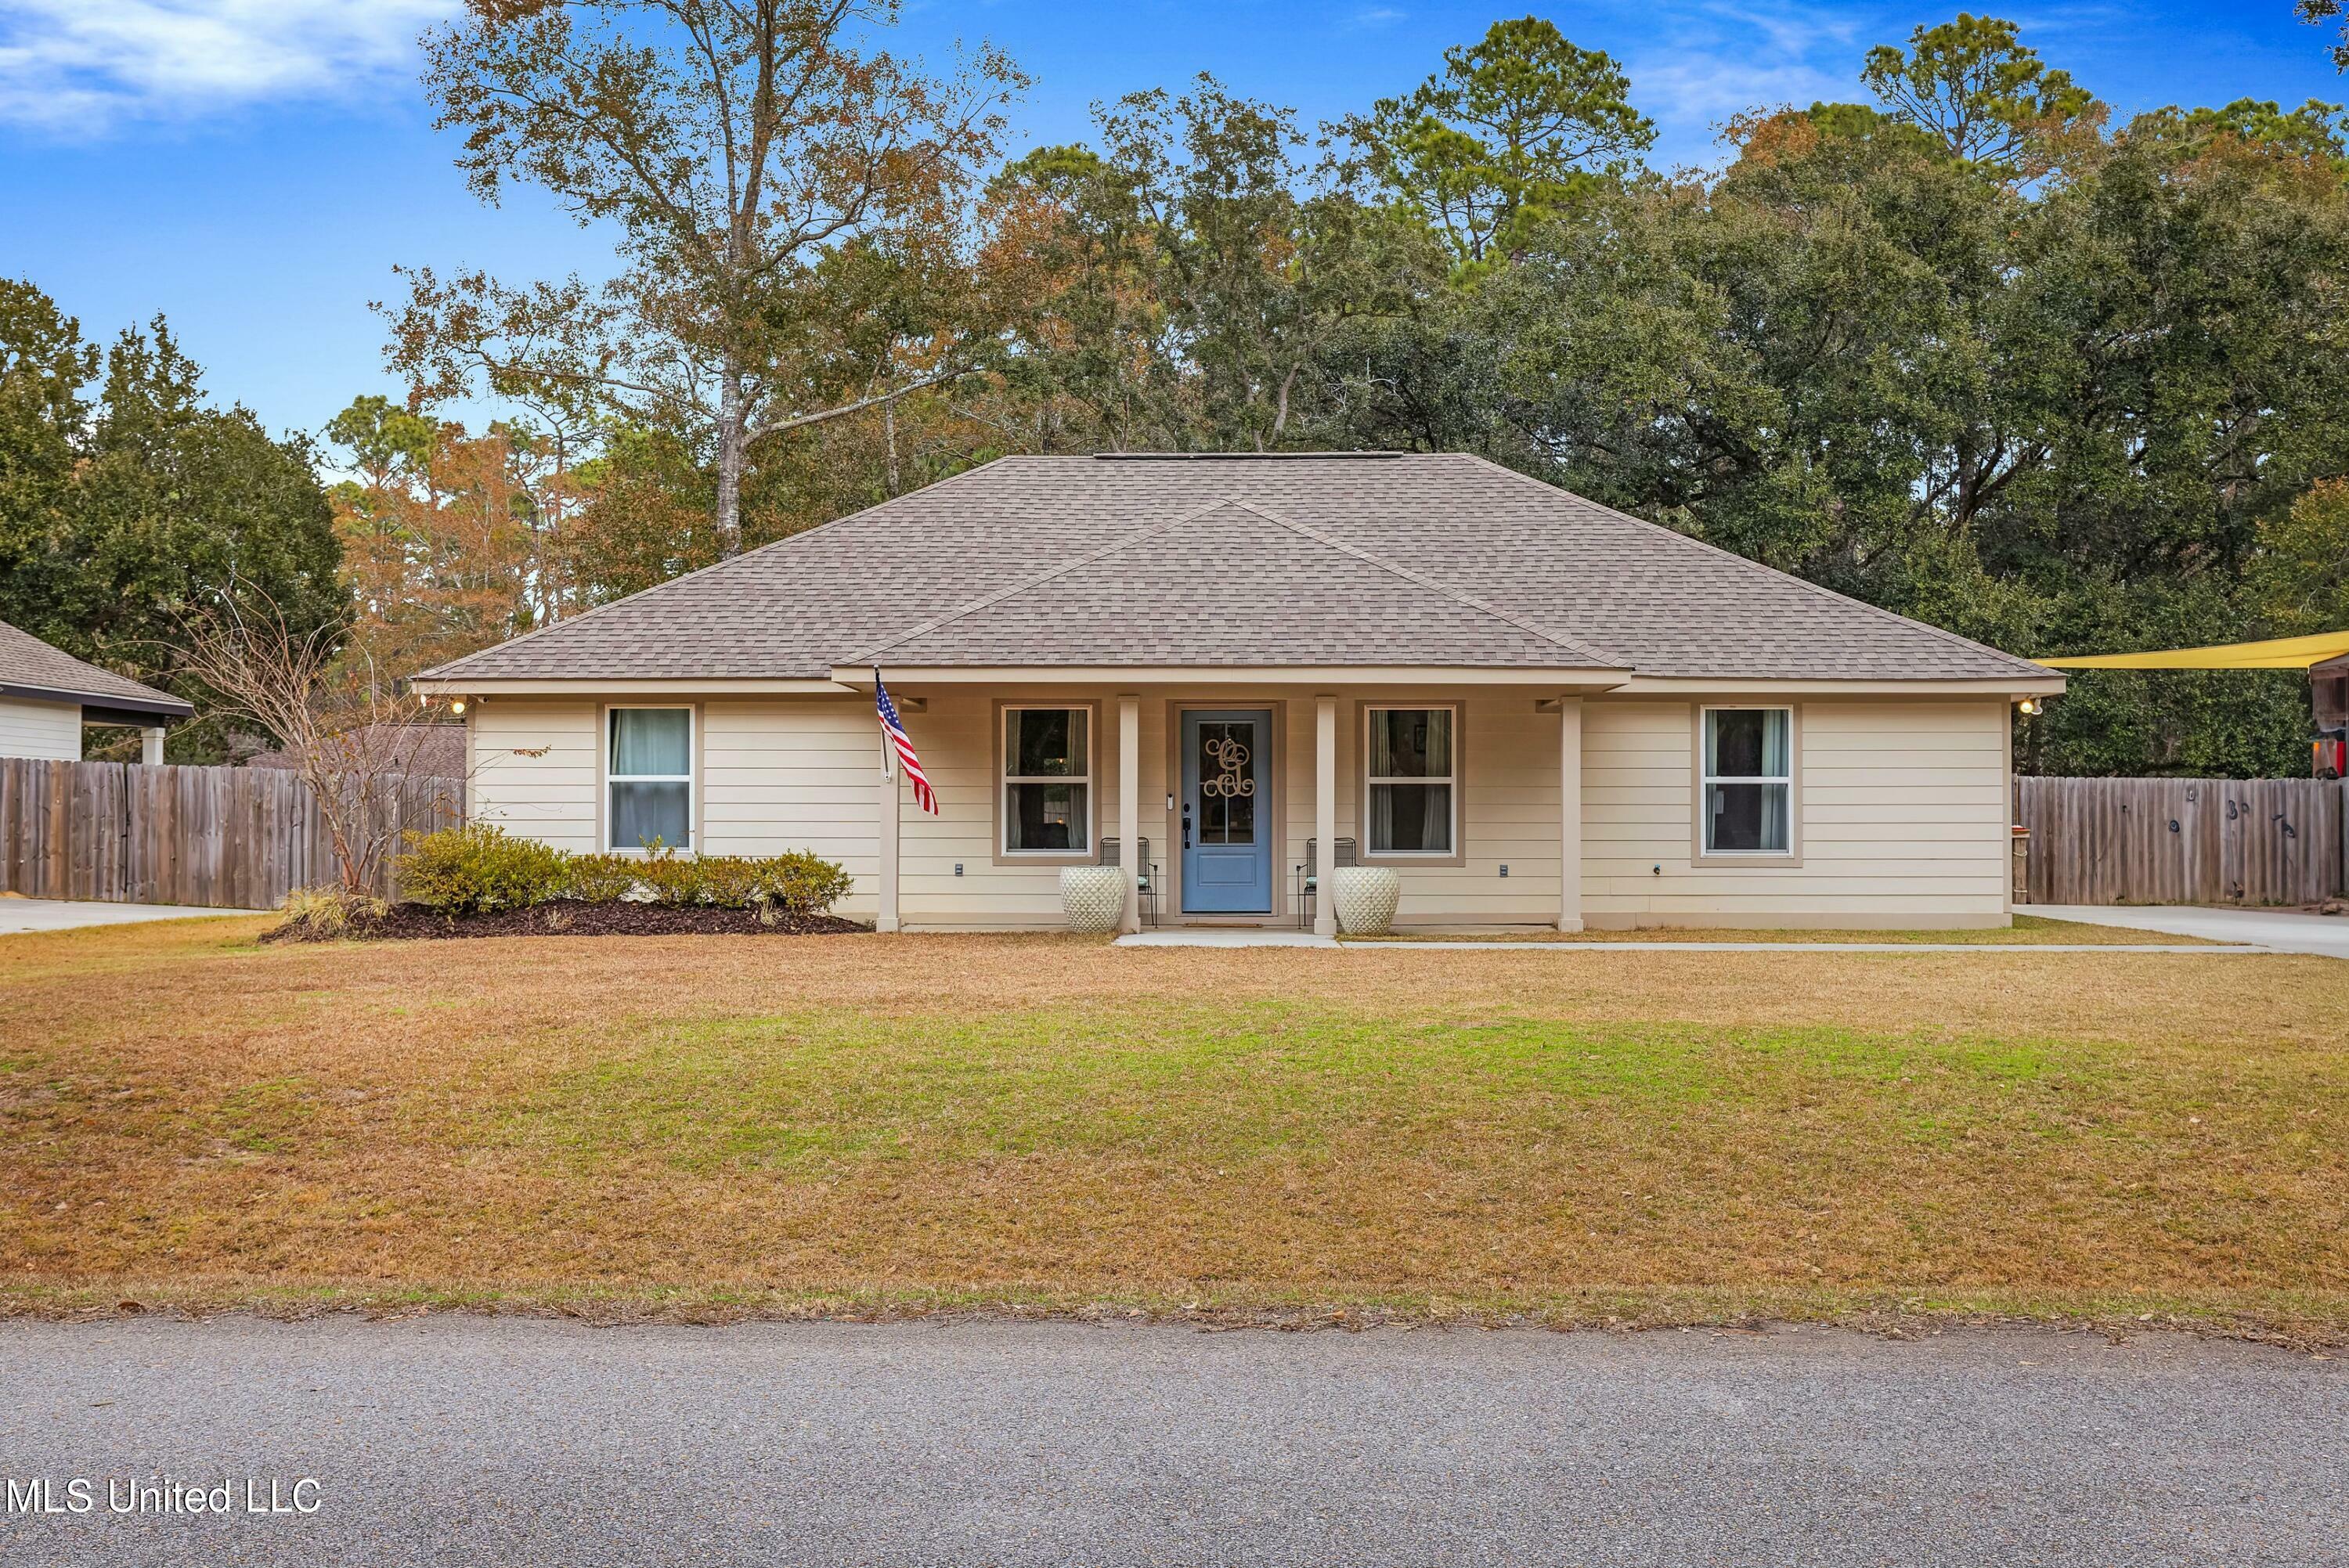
467, 1440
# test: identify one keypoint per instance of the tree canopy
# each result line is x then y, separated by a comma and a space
128, 501
1966, 346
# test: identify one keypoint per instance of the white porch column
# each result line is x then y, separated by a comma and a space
885, 830
1570, 813
1325, 812
150, 746
1129, 806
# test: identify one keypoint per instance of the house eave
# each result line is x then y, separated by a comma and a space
147, 708
2014, 687
471, 686
1578, 677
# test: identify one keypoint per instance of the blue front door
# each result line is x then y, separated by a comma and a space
1226, 815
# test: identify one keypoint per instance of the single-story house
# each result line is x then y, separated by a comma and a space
1538, 711
46, 696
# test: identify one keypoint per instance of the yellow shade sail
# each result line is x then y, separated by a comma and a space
2281, 654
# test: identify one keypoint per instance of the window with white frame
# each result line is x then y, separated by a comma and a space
1048, 778
649, 778
1410, 779
1749, 781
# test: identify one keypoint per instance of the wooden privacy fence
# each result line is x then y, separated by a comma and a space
2182, 840
230, 837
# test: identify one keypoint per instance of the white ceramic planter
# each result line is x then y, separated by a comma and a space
1365, 898
1092, 897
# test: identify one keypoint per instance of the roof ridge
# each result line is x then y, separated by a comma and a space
1693, 542
1522, 624
1062, 570
441, 671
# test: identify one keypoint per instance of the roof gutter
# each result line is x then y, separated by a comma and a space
157, 706
460, 686
1578, 677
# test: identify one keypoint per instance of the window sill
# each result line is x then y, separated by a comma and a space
1749, 860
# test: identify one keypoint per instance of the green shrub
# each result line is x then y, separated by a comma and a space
798, 881
731, 881
671, 880
805, 883
600, 879
479, 867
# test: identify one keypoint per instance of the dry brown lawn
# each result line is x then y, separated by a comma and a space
860, 1123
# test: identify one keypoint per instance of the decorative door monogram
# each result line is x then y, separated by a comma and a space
1230, 758
1226, 783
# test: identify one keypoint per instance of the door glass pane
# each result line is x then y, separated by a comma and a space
1046, 742
1045, 816
644, 813
1227, 774
1411, 743
652, 740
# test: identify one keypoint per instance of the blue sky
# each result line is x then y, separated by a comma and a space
252, 168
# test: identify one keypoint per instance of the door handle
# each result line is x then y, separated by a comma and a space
1187, 824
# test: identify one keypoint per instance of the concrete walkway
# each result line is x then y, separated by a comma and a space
1213, 936
1208, 936
2279, 930
20, 914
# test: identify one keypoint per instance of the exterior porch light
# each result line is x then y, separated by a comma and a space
457, 704
2028, 707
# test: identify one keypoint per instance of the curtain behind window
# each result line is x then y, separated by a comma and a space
652, 740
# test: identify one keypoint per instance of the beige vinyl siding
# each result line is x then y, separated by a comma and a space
1901, 810
1902, 819
1509, 816
49, 731
795, 774
550, 796
955, 733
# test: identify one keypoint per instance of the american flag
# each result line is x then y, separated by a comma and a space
894, 729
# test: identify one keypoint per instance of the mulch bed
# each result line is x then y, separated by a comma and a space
562, 918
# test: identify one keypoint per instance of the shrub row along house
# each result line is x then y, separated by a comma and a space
1538, 711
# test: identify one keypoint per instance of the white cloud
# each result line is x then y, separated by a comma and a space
82, 65
1710, 61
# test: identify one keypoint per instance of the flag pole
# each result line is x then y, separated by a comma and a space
888, 747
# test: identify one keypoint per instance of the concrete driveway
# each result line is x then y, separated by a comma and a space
2284, 930
460, 1439
18, 915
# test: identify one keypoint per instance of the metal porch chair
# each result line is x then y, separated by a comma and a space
1145, 876
1307, 879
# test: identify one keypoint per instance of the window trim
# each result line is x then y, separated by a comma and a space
999, 778
1458, 779
606, 777
1752, 860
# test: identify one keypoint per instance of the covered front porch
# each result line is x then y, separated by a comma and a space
1234, 795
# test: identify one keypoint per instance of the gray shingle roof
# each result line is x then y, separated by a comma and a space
29, 665
1339, 558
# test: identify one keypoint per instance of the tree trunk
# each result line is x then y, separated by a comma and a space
728, 513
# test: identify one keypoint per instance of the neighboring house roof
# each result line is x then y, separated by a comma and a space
432, 749
30, 667
1339, 558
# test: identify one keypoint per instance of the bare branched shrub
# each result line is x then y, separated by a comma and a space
349, 731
